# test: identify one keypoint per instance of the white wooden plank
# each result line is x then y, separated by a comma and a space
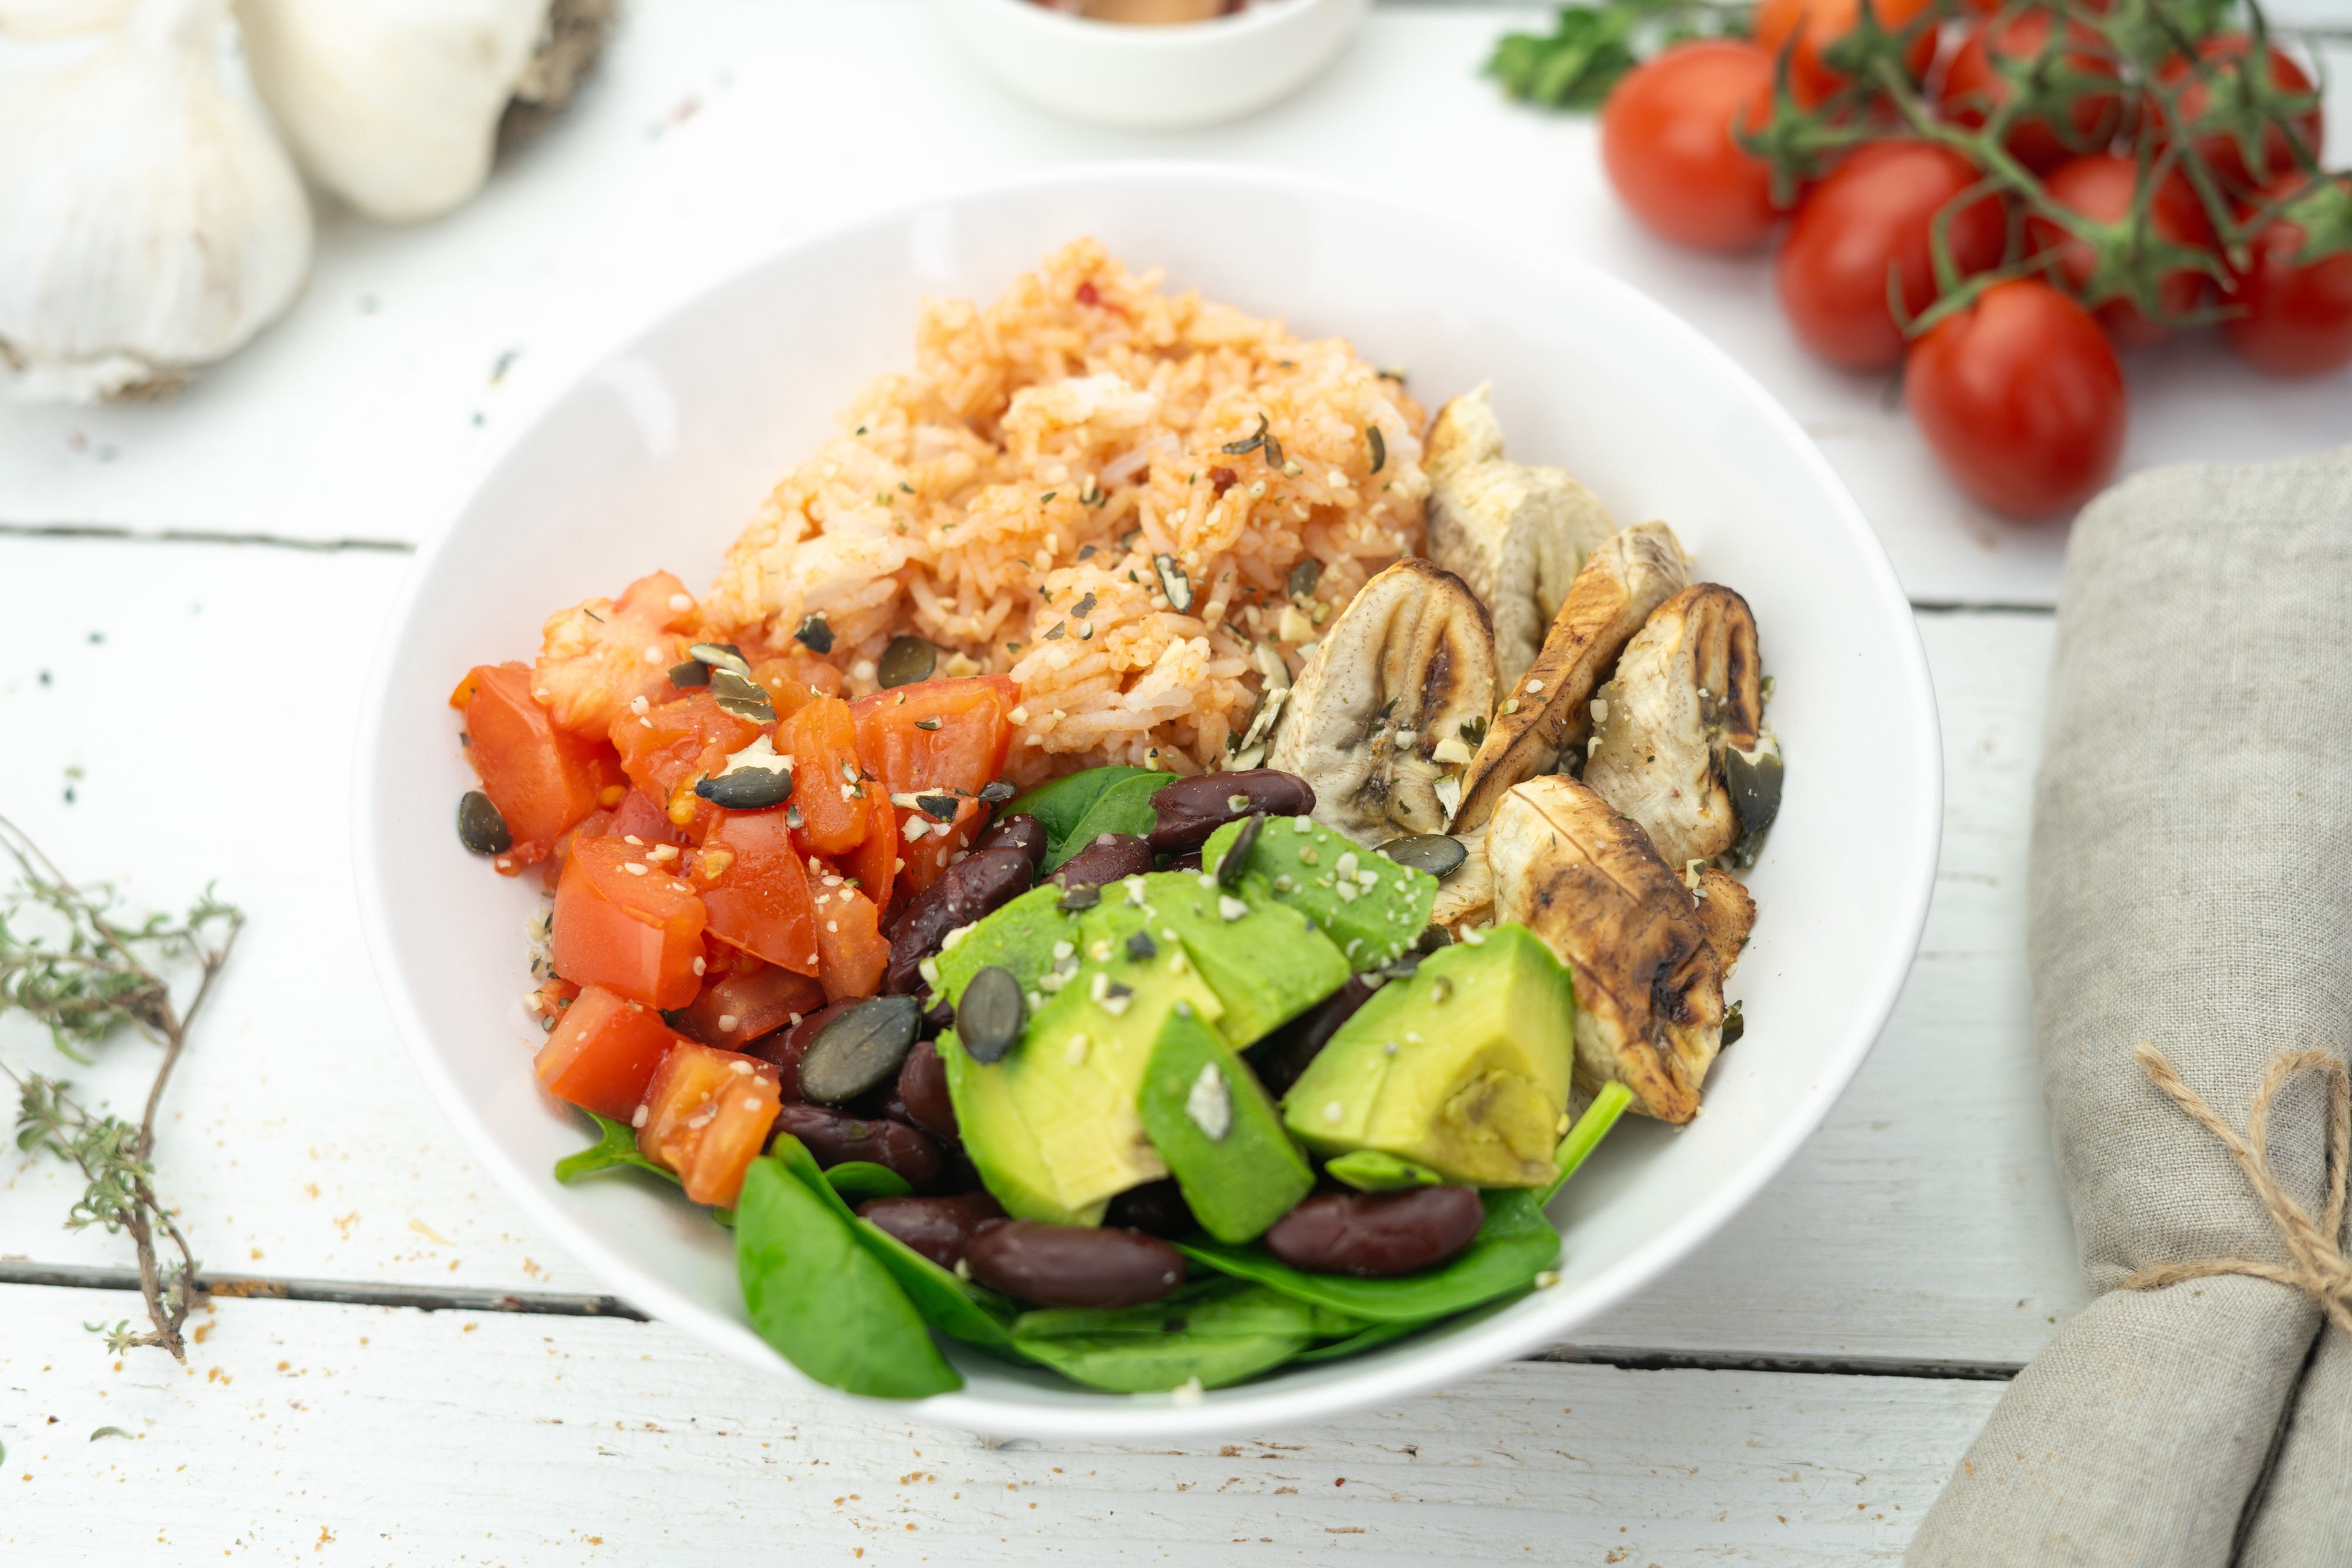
719, 128
355, 1435
211, 730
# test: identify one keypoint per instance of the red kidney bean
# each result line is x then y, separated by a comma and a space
1023, 833
923, 1090
1189, 861
1075, 1266
940, 1228
836, 1137
1157, 1208
1191, 809
1110, 857
1377, 1235
967, 890
1282, 1057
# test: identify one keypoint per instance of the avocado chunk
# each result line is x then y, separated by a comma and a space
1464, 1067
1220, 1134
1371, 908
1053, 1128
1267, 961
1020, 937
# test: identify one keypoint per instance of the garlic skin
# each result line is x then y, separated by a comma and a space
392, 105
150, 222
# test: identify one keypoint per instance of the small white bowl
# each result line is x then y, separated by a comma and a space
1154, 79
658, 457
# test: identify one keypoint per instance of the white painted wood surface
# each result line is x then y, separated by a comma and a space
721, 129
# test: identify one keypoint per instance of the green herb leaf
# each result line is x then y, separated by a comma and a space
1574, 66
857, 1180
1515, 1245
1219, 1336
817, 1295
1075, 810
616, 1147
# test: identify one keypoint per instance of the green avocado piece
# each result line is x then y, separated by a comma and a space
1322, 874
1019, 936
1265, 961
1463, 1067
1052, 1128
1213, 1121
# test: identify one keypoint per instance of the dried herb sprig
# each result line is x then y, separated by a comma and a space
69, 962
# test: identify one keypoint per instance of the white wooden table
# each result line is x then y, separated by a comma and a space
194, 588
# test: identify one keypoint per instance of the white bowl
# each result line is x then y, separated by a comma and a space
657, 457
1154, 79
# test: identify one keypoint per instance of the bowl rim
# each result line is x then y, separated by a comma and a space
1256, 17
1247, 1408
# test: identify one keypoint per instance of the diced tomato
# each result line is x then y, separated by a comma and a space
706, 1115
665, 746
752, 1001
921, 861
828, 786
807, 670
541, 778
848, 934
757, 893
603, 1052
874, 862
638, 818
548, 1003
627, 922
465, 691
961, 754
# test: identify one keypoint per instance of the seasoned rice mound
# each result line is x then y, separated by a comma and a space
1006, 500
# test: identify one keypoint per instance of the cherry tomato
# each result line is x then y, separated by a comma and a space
1974, 88
1870, 218
2298, 314
541, 778
1666, 139
2022, 398
1818, 25
752, 883
2100, 186
604, 1052
634, 931
2218, 146
706, 1115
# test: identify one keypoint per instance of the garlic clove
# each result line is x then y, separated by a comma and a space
395, 105
150, 222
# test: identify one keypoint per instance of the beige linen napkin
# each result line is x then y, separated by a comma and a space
2192, 888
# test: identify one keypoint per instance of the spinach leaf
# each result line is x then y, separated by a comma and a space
1586, 1135
1219, 1337
1367, 1339
817, 1295
1515, 1245
857, 1180
617, 1147
1075, 809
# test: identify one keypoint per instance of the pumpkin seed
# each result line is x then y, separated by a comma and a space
690, 676
1304, 577
1084, 896
1380, 446
479, 827
1238, 448
746, 789
1237, 853
1272, 452
1434, 939
939, 808
1140, 947
931, 723
1754, 778
996, 791
1439, 855
721, 655
989, 1017
860, 1049
736, 692
815, 633
906, 660
1174, 583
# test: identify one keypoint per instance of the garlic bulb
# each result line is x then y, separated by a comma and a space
393, 104
149, 220
58, 18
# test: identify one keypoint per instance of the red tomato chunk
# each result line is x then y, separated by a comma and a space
541, 778
625, 921
755, 891
706, 1115
603, 1052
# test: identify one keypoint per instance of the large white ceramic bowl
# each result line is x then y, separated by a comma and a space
1154, 79
657, 457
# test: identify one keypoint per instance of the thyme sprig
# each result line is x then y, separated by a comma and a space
72, 964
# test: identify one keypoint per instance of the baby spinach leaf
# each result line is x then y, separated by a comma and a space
1586, 1135
1218, 1337
617, 1147
857, 1180
1364, 1340
1515, 1245
819, 1295
1075, 809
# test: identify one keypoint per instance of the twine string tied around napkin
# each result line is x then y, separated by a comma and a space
2320, 1269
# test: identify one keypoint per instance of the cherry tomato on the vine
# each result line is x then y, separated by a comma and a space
2021, 397
1871, 218
2298, 314
1666, 139
1819, 24
2220, 147
1974, 88
2100, 186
